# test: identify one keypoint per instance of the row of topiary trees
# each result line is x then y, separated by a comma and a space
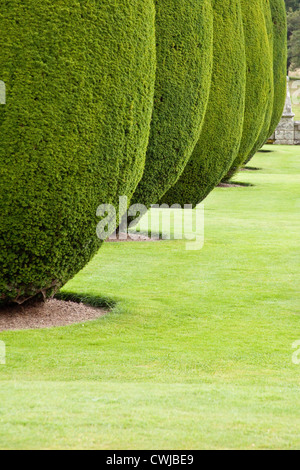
155, 100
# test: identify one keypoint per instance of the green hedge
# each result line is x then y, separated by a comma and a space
268, 111
80, 83
278, 12
184, 32
221, 134
258, 78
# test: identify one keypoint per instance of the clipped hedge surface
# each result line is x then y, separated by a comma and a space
268, 111
258, 78
80, 83
278, 12
222, 130
184, 38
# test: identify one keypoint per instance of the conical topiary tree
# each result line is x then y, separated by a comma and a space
278, 12
279, 56
184, 38
80, 82
222, 130
268, 111
279, 23
258, 78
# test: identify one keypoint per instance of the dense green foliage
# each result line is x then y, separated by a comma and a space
267, 111
221, 134
279, 60
74, 132
85, 81
184, 37
292, 4
258, 70
293, 20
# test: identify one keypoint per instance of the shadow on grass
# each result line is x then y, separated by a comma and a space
86, 299
250, 168
243, 185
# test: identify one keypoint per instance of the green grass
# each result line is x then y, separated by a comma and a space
197, 352
295, 95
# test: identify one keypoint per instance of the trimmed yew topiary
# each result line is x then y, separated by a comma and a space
80, 82
184, 40
222, 130
258, 78
278, 12
267, 112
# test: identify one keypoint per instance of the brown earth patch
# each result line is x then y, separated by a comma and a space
47, 315
230, 185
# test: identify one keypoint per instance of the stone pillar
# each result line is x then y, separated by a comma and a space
285, 132
297, 133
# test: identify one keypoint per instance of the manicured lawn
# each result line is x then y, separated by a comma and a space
197, 352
